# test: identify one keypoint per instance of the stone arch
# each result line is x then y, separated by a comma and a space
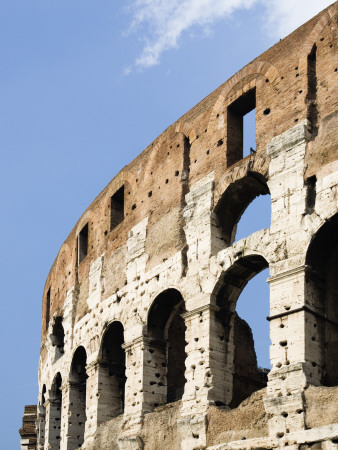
314, 34
242, 377
54, 413
166, 332
77, 399
241, 82
187, 129
321, 294
158, 153
125, 177
111, 372
234, 201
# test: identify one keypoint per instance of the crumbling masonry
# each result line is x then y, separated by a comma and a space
141, 345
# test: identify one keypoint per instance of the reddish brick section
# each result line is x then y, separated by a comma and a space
28, 429
156, 182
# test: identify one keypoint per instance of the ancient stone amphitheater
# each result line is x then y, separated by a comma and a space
141, 345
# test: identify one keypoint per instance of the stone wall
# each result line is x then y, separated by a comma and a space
139, 308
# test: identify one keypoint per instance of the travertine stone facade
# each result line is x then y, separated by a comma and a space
139, 308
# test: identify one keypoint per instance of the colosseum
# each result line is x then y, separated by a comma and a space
141, 345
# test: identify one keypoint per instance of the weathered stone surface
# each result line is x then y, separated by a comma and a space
139, 308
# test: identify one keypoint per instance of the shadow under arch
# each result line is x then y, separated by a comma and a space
236, 199
322, 293
111, 373
77, 399
166, 332
242, 377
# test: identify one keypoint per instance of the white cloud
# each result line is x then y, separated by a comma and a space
162, 22
284, 16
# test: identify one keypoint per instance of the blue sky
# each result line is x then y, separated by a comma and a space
85, 86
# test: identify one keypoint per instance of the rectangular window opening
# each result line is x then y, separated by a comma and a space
47, 308
83, 243
241, 127
117, 208
310, 199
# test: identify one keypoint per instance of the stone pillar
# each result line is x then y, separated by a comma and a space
41, 424
296, 350
53, 424
205, 362
92, 393
294, 359
64, 416
133, 411
104, 396
73, 417
207, 381
146, 379
202, 233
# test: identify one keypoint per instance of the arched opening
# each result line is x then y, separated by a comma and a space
77, 399
256, 216
242, 375
322, 295
55, 402
235, 201
112, 369
58, 337
166, 330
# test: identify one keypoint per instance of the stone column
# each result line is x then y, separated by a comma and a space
296, 349
64, 416
41, 424
53, 424
208, 382
73, 419
103, 396
146, 379
295, 356
92, 393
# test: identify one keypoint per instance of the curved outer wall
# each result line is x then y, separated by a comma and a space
176, 233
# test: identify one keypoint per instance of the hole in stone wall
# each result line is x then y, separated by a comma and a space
47, 308
249, 133
310, 199
83, 243
58, 337
311, 96
43, 395
241, 127
117, 208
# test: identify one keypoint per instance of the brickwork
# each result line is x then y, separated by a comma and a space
139, 308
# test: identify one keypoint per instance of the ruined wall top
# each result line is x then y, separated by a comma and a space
279, 84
